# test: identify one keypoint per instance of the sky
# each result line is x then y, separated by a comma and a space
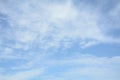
59, 39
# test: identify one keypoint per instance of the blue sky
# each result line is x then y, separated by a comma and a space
59, 40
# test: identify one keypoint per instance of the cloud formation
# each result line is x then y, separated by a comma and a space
78, 66
36, 34
44, 23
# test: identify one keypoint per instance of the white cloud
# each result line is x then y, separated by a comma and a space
7, 53
61, 12
39, 26
87, 67
84, 60
38, 21
23, 75
85, 44
80, 67
75, 66
94, 73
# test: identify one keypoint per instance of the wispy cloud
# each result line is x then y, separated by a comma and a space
33, 32
23, 75
40, 22
86, 67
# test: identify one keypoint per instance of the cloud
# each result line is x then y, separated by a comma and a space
93, 73
47, 23
33, 33
85, 67
76, 66
80, 67
23, 75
